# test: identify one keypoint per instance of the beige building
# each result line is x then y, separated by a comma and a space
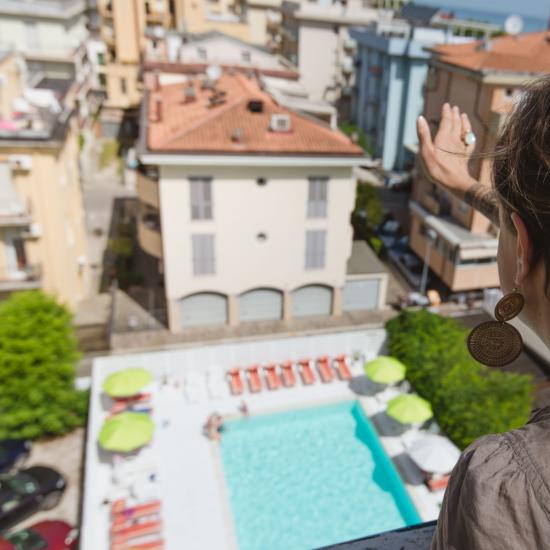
483, 78
254, 21
42, 239
246, 206
127, 26
315, 31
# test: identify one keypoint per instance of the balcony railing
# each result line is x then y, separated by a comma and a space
148, 190
149, 236
416, 537
28, 278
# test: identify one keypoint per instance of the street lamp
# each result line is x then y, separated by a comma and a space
431, 237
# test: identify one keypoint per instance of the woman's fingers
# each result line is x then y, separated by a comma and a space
455, 115
466, 126
425, 137
446, 122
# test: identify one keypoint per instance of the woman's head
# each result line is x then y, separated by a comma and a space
521, 175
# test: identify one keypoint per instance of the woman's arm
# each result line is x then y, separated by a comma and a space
446, 159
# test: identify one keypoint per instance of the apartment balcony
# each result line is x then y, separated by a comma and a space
149, 234
273, 19
107, 34
148, 189
105, 9
435, 205
28, 277
15, 220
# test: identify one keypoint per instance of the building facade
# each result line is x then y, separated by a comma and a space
392, 67
246, 205
315, 37
50, 34
42, 236
483, 78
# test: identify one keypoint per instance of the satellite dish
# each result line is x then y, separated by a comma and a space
213, 72
513, 24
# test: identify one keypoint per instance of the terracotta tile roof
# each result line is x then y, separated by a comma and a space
196, 127
524, 53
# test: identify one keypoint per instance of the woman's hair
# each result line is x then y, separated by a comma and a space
521, 167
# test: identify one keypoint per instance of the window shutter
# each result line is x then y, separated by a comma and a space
204, 260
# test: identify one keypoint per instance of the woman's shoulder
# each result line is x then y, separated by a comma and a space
498, 494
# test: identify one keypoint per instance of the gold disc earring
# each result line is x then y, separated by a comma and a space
497, 343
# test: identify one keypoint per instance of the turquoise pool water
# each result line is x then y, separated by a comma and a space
311, 477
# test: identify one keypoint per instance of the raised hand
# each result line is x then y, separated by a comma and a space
446, 157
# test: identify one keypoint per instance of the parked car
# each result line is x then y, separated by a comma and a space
13, 454
398, 181
410, 265
27, 491
388, 232
45, 535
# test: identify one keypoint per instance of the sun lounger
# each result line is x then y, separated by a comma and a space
153, 544
122, 516
287, 373
438, 484
342, 367
325, 372
254, 380
137, 531
235, 381
306, 373
272, 378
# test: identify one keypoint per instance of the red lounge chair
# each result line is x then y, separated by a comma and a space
254, 380
157, 544
125, 517
306, 373
138, 530
342, 368
272, 378
289, 378
326, 373
438, 484
235, 381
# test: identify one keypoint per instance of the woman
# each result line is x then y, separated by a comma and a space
499, 492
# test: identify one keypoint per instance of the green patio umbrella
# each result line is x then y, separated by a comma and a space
126, 432
385, 370
409, 409
126, 383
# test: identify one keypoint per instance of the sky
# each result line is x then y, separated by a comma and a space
531, 8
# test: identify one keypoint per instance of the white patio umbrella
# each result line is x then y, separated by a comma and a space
434, 453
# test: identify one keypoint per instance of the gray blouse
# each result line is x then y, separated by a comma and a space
498, 495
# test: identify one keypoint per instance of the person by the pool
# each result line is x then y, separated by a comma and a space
213, 426
498, 495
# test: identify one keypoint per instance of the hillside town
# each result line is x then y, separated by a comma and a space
234, 299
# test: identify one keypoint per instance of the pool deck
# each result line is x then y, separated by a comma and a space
189, 476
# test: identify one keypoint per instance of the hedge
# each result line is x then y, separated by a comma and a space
469, 400
38, 354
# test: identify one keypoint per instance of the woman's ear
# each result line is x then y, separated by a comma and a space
524, 250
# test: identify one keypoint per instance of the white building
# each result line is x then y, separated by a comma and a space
315, 37
49, 33
246, 204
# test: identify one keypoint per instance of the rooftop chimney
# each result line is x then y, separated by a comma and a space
155, 113
256, 106
236, 136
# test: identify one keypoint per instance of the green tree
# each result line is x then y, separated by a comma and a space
468, 399
38, 352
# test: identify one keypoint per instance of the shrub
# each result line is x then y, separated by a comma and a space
38, 352
352, 130
468, 400
368, 200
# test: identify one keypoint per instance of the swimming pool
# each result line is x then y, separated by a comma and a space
311, 477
